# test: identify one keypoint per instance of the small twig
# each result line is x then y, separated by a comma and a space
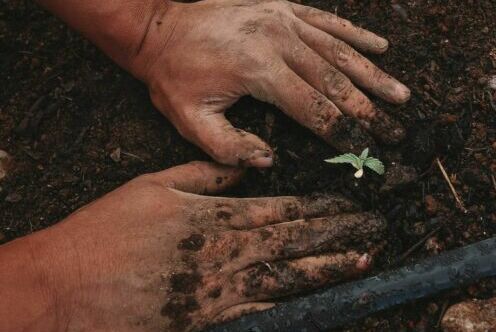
455, 194
494, 182
478, 149
418, 244
132, 155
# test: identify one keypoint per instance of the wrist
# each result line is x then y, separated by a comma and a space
156, 35
31, 286
125, 29
119, 28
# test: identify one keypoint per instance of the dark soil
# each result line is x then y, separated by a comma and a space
65, 108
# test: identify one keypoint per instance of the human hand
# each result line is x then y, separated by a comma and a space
152, 257
199, 58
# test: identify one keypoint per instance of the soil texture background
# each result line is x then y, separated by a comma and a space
66, 112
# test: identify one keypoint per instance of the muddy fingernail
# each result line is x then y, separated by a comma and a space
402, 93
364, 262
261, 159
382, 44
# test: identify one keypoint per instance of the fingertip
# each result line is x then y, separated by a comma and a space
262, 162
381, 45
364, 263
402, 93
261, 159
372, 43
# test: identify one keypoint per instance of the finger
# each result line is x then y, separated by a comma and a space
249, 213
199, 177
340, 90
282, 278
312, 109
227, 145
342, 29
239, 310
302, 238
355, 66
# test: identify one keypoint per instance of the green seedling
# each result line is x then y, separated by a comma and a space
359, 162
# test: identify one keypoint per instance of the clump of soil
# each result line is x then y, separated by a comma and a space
64, 108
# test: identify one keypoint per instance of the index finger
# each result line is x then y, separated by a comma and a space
342, 29
312, 109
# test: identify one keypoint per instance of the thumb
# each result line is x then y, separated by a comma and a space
215, 135
200, 177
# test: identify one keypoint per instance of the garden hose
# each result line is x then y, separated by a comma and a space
346, 303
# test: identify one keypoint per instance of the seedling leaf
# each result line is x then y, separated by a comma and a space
359, 162
364, 154
347, 158
374, 164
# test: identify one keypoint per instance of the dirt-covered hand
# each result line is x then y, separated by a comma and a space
199, 58
153, 256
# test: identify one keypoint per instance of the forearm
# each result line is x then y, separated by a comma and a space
118, 27
26, 303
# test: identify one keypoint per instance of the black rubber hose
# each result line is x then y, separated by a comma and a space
346, 303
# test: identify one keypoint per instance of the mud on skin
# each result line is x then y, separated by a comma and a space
178, 309
195, 242
320, 205
184, 282
230, 213
199, 282
341, 233
282, 278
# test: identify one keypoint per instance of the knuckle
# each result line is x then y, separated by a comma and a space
318, 104
342, 22
221, 154
337, 84
307, 11
378, 75
290, 209
279, 23
203, 213
344, 53
147, 180
227, 246
321, 113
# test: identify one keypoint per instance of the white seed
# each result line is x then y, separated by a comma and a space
359, 173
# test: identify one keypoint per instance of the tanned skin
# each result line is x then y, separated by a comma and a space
154, 255
198, 59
